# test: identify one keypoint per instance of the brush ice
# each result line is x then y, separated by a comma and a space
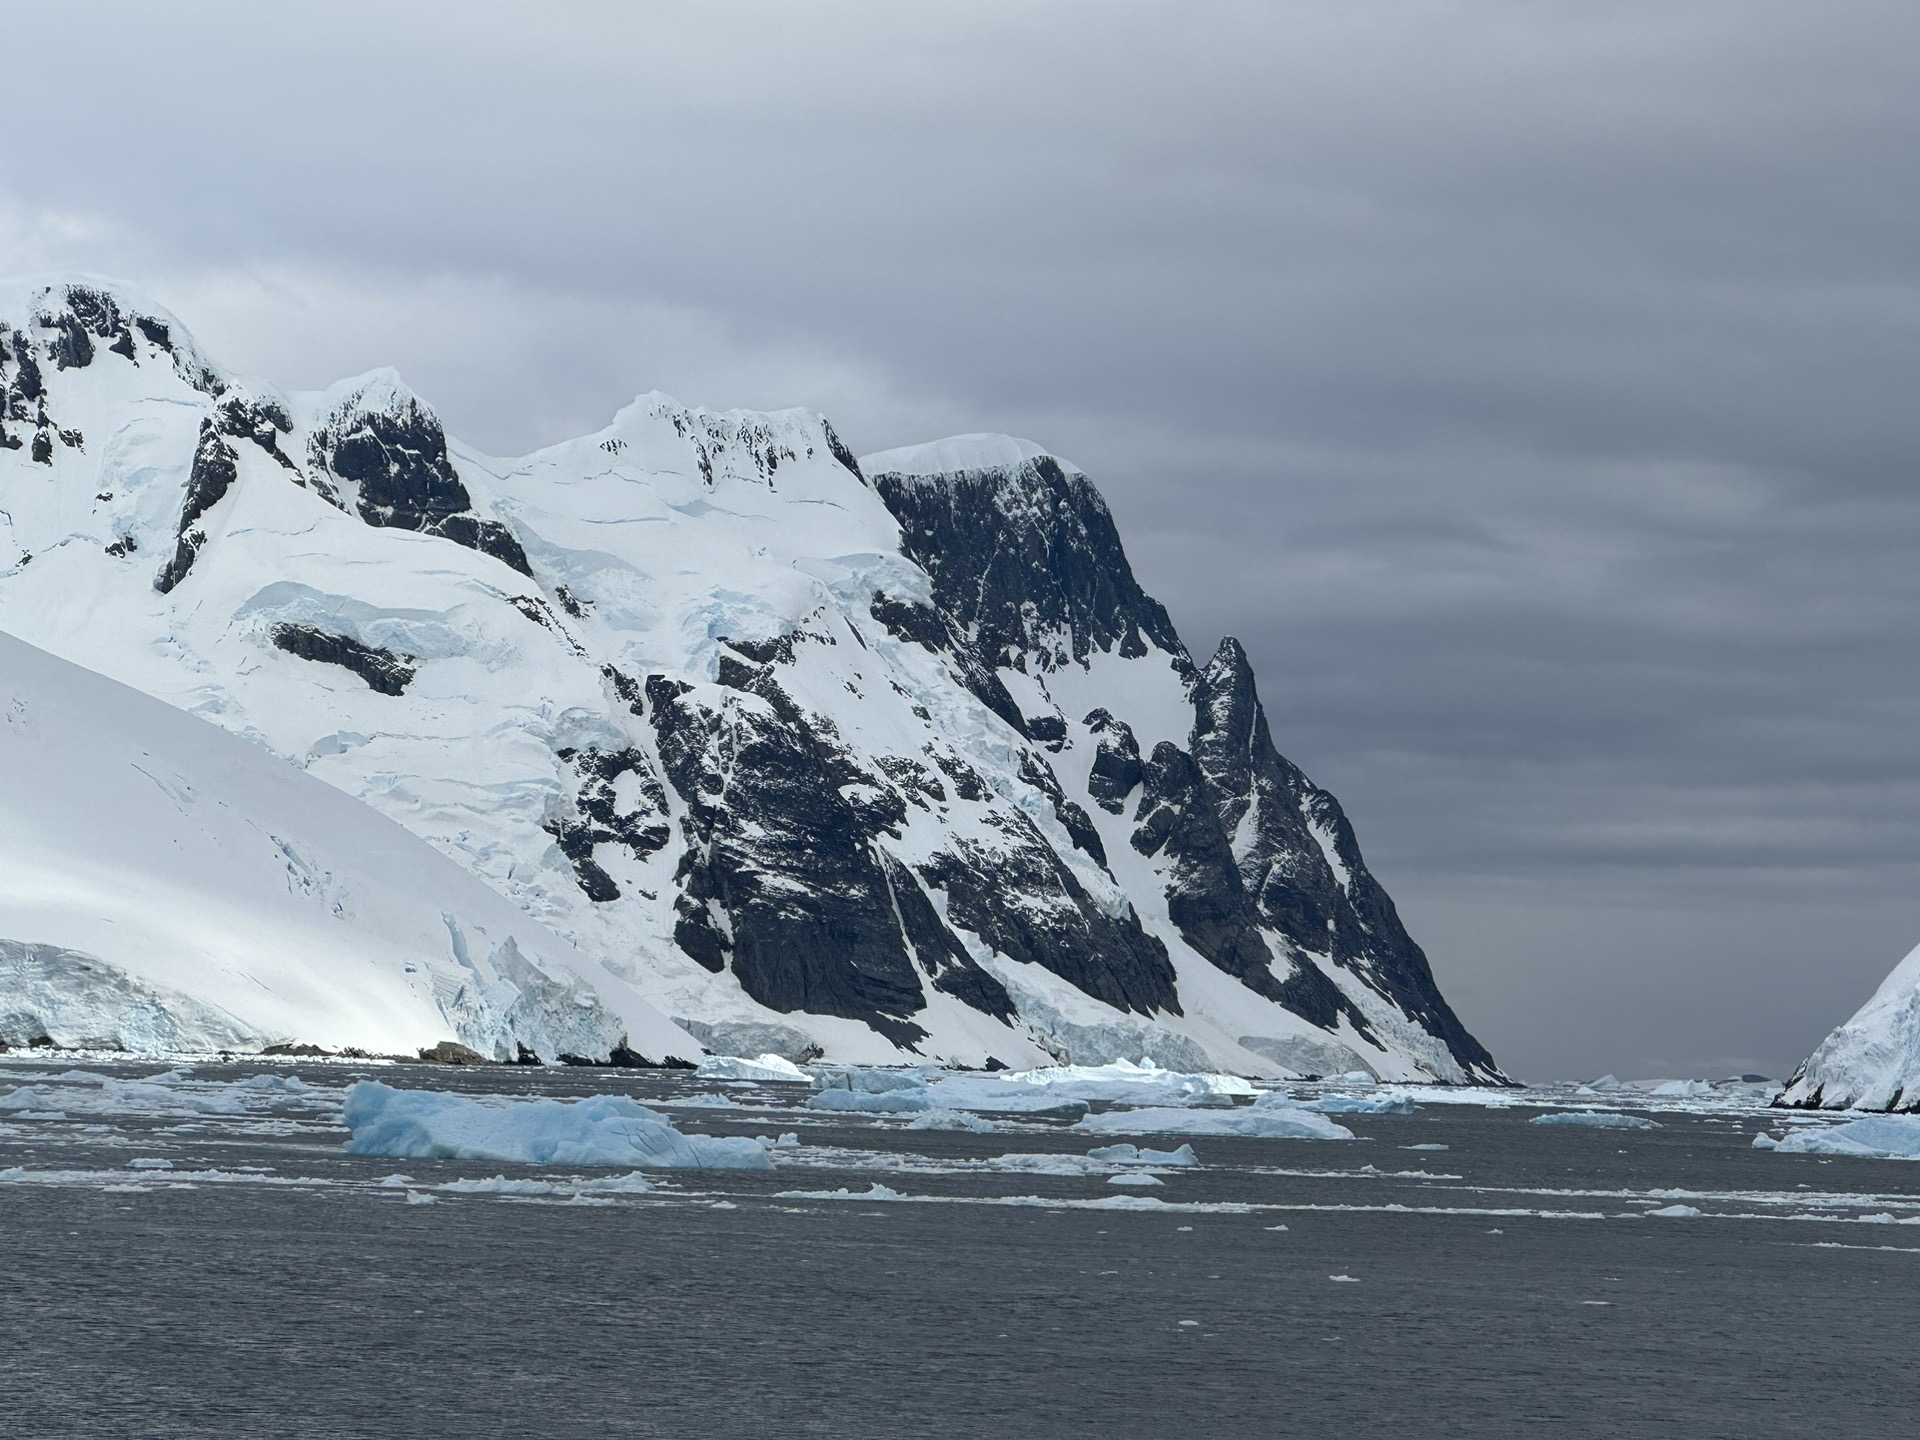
1139, 1155
867, 1102
599, 1130
1252, 1122
956, 1120
1594, 1120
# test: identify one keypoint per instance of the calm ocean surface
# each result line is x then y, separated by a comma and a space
264, 1283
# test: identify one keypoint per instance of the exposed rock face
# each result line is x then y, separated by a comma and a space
1264, 869
387, 449
1027, 561
877, 759
380, 668
1298, 860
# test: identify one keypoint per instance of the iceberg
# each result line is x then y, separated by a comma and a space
871, 1082
1595, 1120
886, 1102
1688, 1088
951, 1120
1362, 1105
1263, 1122
1122, 1082
599, 1130
764, 1067
1876, 1137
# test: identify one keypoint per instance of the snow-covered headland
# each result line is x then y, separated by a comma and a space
1872, 1061
693, 733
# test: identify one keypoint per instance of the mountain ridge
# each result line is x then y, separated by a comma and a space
813, 753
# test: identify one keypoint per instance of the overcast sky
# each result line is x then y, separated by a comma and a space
1530, 386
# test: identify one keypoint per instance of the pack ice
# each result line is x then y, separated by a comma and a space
884, 760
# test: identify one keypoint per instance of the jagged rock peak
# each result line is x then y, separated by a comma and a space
379, 445
1023, 552
62, 316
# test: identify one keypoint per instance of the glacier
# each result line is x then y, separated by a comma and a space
880, 761
167, 887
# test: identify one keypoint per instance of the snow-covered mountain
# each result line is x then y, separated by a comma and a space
165, 886
882, 759
1872, 1062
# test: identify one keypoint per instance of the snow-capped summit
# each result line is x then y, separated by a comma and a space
1872, 1062
881, 759
961, 455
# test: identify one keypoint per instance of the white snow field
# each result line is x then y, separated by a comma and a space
597, 1130
1872, 1062
167, 887
489, 651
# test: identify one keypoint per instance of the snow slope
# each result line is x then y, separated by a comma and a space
1872, 1062
165, 886
881, 766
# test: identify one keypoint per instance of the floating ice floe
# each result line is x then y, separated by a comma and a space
773, 1068
1133, 1177
1263, 1120
877, 1191
173, 1094
632, 1183
1595, 1120
1385, 1104
866, 1102
870, 1082
1874, 1137
1675, 1212
951, 1120
1124, 1154
1122, 1082
599, 1130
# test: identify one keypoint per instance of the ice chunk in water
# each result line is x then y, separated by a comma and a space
599, 1130
951, 1120
766, 1067
1124, 1154
1254, 1121
1875, 1137
889, 1102
1595, 1120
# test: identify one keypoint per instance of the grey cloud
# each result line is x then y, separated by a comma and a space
1528, 385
